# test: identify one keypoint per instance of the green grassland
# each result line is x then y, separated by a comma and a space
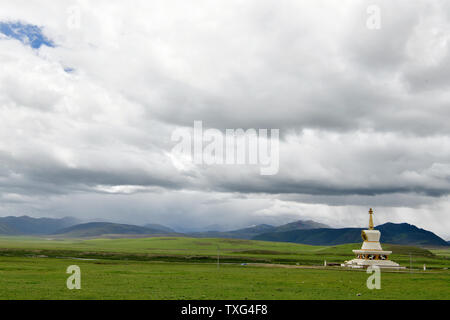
441, 252
186, 268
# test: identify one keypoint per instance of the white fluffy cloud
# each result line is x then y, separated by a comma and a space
363, 113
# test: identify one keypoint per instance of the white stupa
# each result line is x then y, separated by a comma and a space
371, 253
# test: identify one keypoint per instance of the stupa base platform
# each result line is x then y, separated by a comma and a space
364, 264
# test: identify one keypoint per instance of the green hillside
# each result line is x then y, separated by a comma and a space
182, 249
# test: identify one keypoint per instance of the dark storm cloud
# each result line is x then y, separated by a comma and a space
315, 188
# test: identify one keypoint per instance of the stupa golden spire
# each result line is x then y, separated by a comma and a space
371, 219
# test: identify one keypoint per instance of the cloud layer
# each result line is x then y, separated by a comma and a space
85, 126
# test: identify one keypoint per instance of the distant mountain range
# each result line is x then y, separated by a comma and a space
25, 225
392, 233
250, 232
306, 232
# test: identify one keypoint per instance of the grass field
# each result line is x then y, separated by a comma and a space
186, 268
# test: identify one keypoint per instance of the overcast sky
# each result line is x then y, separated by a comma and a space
91, 92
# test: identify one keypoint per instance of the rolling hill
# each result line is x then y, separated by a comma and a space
159, 227
245, 233
96, 229
250, 232
403, 233
301, 225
